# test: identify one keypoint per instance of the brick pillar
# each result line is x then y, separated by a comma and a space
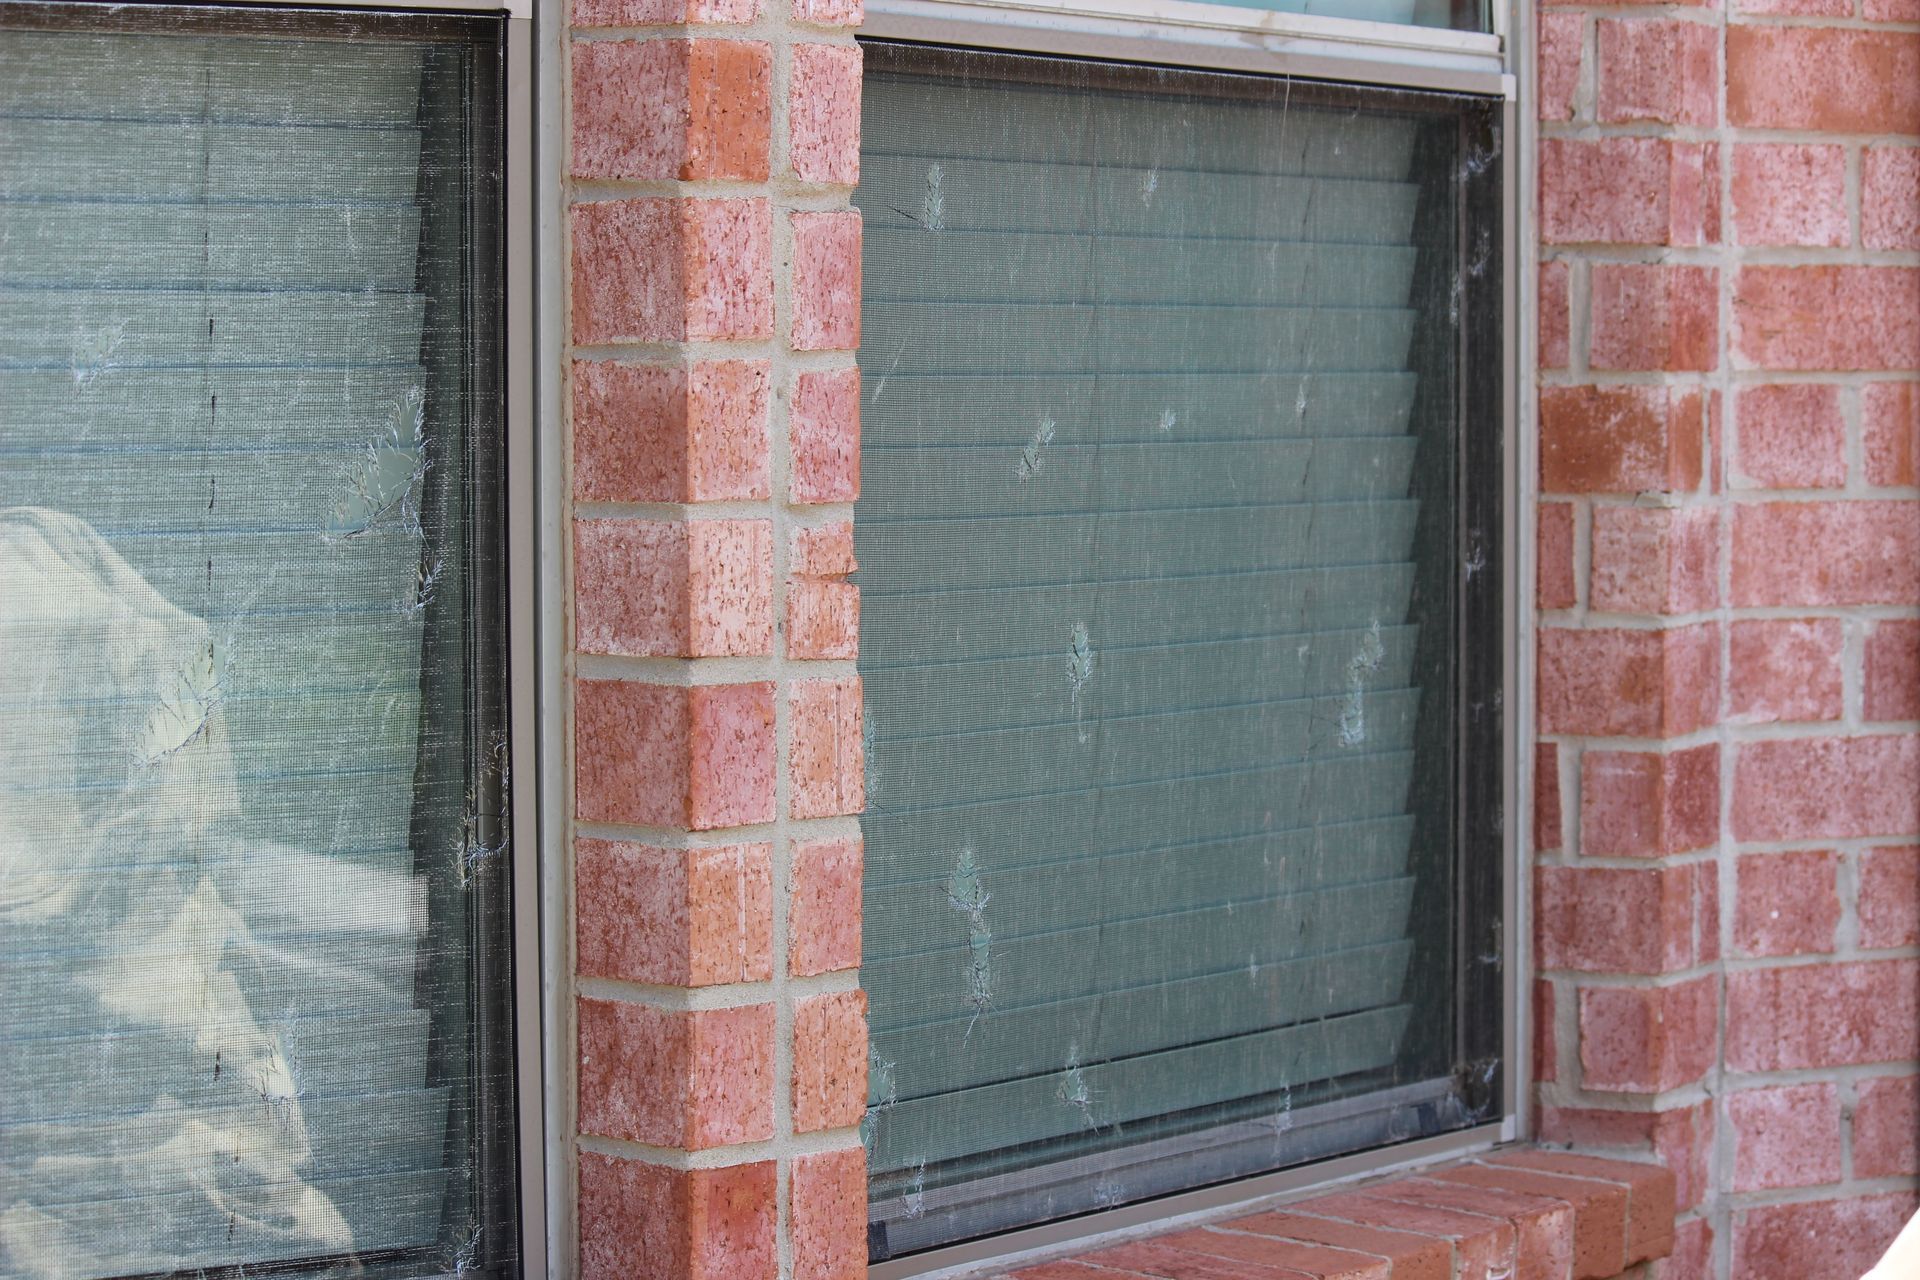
714, 450
1729, 550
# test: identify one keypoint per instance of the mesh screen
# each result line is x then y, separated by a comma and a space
1159, 553
251, 816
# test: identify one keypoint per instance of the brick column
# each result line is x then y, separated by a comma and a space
714, 448
1729, 539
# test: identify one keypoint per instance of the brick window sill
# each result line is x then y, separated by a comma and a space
1519, 1214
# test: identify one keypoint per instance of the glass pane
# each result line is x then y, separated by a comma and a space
252, 849
1461, 15
1162, 573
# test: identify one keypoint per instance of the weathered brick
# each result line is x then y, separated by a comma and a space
1827, 788
673, 588
641, 1221
662, 755
1823, 78
1785, 669
1791, 437
1890, 416
1827, 317
829, 13
827, 771
1555, 582
823, 610
1790, 193
675, 1077
829, 1061
1682, 1139
1642, 684
1614, 920
677, 917
823, 917
1483, 1246
665, 270
1649, 1190
649, 13
1822, 1015
1619, 439
825, 433
659, 109
826, 281
1546, 1039
1647, 1039
1649, 804
823, 110
1543, 1225
1270, 1252
1785, 1137
1844, 553
1412, 1256
1655, 560
1559, 44
1655, 316
1692, 1255
1886, 1128
1628, 191
1889, 899
1547, 818
829, 1215
1659, 69
1821, 1240
652, 433
1890, 195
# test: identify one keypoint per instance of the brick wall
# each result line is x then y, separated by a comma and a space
1728, 770
713, 425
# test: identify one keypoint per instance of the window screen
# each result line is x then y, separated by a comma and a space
1179, 561
252, 814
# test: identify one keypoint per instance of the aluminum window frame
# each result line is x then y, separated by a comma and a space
1190, 34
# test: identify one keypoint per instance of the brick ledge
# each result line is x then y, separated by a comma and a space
1519, 1214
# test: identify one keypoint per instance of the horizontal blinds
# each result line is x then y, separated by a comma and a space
1137, 559
219, 560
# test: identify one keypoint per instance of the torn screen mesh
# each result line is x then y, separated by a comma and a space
1157, 544
251, 796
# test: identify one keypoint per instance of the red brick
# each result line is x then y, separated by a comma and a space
1543, 1226
826, 281
1790, 193
1682, 1139
1889, 901
829, 13
1692, 1256
1785, 1137
1648, 804
648, 13
1628, 191
1483, 1246
1414, 1257
1886, 1128
647, 433
1268, 1251
828, 770
1890, 413
1822, 1015
1827, 317
1641, 684
1560, 45
642, 1221
1655, 560
829, 1218
1846, 553
1707, 907
1647, 1039
1546, 797
1665, 70
1893, 671
1614, 920
1649, 1189
823, 919
1799, 8
1785, 669
1787, 903
1555, 310
659, 109
823, 106
1150, 1258
1823, 78
1716, 443
1063, 1271
673, 588
1792, 437
676, 1078
1890, 10
1890, 194
1827, 788
1599, 1212
1555, 574
1546, 1038
1655, 316
1619, 439
1821, 1240
824, 551
823, 610
829, 1061
662, 755
662, 270
825, 431
675, 917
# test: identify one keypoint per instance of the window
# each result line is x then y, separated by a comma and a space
1180, 556
255, 886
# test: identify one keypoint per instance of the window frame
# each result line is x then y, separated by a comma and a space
1369, 55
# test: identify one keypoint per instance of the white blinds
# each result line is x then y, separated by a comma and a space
229, 517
